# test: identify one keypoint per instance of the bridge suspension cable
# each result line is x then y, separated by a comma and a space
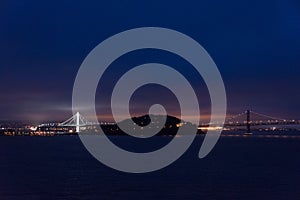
236, 116
76, 120
268, 116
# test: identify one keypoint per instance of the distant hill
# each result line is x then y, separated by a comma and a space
144, 125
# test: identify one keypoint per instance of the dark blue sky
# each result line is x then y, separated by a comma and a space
255, 44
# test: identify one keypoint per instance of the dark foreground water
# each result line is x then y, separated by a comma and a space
238, 168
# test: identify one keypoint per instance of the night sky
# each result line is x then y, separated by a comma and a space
255, 44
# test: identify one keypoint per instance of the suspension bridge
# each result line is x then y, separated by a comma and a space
251, 118
76, 121
247, 119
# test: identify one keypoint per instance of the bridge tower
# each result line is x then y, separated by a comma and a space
77, 117
248, 122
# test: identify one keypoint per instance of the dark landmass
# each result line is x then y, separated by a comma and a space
144, 125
